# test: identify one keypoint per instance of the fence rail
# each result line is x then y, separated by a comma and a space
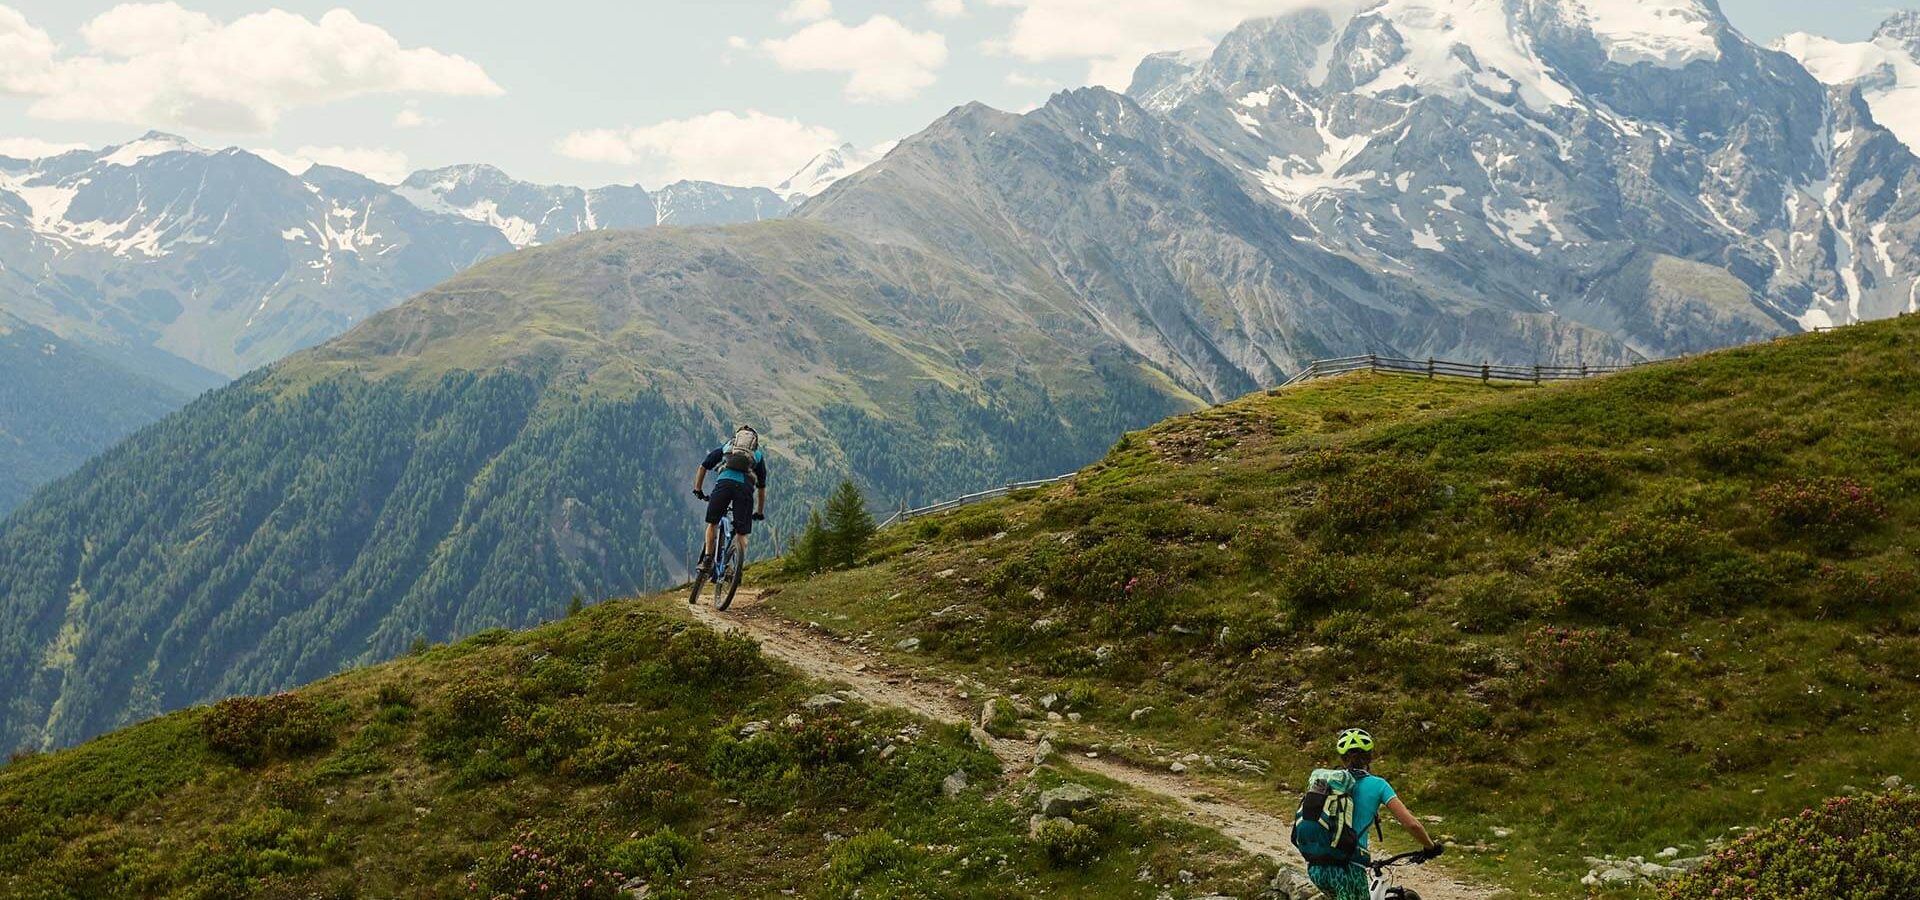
908, 515
1446, 368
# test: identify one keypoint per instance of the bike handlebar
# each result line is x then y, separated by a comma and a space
1416, 857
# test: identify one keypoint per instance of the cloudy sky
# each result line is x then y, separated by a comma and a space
596, 91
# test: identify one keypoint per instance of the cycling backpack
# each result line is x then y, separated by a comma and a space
1323, 826
738, 456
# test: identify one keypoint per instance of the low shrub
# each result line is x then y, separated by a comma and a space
1067, 844
662, 789
1492, 604
606, 757
1864, 848
972, 526
1830, 512
866, 857
541, 864
251, 730
1318, 582
710, 660
1580, 474
820, 758
393, 695
1558, 660
659, 857
1375, 497
1739, 454
268, 843
1520, 508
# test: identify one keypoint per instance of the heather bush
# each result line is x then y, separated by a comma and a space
662, 789
1520, 508
1556, 660
545, 864
1735, 454
866, 857
1851, 848
658, 858
708, 659
1067, 844
1318, 582
1580, 474
1375, 497
252, 730
1830, 512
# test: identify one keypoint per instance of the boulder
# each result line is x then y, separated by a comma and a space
1066, 800
823, 701
1292, 884
954, 783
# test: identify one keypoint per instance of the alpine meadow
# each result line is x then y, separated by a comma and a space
1418, 449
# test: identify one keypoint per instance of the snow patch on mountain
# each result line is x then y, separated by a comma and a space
153, 144
830, 166
1884, 69
1464, 47
1666, 33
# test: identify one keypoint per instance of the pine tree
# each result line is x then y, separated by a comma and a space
803, 557
848, 527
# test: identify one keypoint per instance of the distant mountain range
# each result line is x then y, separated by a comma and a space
999, 296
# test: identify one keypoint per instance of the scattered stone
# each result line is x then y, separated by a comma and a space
1178, 768
1041, 624
1073, 717
1038, 593
908, 644
1048, 700
946, 573
954, 783
888, 751
1066, 800
1140, 713
1042, 751
792, 720
1618, 876
752, 728
823, 701
1502, 833
1668, 853
1103, 652
1092, 755
1055, 717
1892, 783
637, 889
1292, 884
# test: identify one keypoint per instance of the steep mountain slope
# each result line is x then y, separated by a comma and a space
176, 260
1886, 70
60, 405
525, 432
529, 214
1595, 619
1642, 169
619, 753
828, 167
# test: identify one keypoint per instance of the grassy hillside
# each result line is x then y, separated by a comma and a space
60, 405
617, 747
1594, 619
524, 433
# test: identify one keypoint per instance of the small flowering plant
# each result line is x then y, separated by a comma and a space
1850, 848
1829, 511
537, 864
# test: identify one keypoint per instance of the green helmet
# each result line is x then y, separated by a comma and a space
1354, 739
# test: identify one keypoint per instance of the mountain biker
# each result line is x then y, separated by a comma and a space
740, 488
1348, 880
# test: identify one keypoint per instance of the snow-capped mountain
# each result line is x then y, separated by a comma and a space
828, 167
1886, 69
194, 265
1641, 168
528, 214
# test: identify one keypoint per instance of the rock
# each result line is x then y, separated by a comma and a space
1042, 752
823, 701
1292, 884
1073, 717
1103, 652
752, 728
1038, 593
1140, 713
946, 573
1041, 624
1066, 800
908, 644
792, 720
1047, 701
1055, 717
954, 784
1618, 876
1687, 864
1591, 880
1177, 768
1668, 853
888, 751
1892, 783
1502, 832
637, 889
986, 712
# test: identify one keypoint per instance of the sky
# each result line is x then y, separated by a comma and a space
594, 92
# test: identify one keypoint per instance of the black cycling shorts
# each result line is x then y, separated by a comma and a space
737, 494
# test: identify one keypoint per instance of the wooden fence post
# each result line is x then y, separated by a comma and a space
1583, 370
1486, 373
1373, 362
1429, 368
1536, 374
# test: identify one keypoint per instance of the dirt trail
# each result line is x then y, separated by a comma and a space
822, 657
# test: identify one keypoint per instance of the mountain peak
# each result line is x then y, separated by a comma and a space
151, 144
1902, 28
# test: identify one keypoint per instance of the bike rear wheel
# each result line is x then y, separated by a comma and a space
729, 582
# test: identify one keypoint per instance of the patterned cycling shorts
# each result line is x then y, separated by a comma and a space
1347, 882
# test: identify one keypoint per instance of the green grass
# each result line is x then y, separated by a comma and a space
609, 742
1609, 616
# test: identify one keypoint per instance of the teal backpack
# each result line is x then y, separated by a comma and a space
1323, 826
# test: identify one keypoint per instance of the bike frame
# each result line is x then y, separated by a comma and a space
1381, 887
723, 549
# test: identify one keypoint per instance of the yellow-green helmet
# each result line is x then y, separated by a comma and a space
1354, 739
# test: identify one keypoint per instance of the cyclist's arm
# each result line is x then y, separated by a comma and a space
1408, 821
711, 462
760, 496
700, 479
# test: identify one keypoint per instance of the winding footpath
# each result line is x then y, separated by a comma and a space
866, 674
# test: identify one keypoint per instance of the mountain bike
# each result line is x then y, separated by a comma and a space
729, 562
1382, 887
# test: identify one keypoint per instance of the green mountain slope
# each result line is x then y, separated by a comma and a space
1596, 619
524, 433
618, 748
60, 405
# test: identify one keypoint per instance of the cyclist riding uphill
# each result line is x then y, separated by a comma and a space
740, 488
1336, 812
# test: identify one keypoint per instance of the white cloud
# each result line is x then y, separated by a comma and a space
1112, 36
750, 148
806, 11
35, 148
883, 59
380, 164
26, 55
947, 9
737, 42
412, 118
157, 64
1023, 80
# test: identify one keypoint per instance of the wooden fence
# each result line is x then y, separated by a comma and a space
906, 515
1444, 368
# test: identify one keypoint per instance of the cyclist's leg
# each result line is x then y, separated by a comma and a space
1348, 882
742, 519
719, 501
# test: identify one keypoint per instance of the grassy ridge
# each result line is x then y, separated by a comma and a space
1603, 618
620, 743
